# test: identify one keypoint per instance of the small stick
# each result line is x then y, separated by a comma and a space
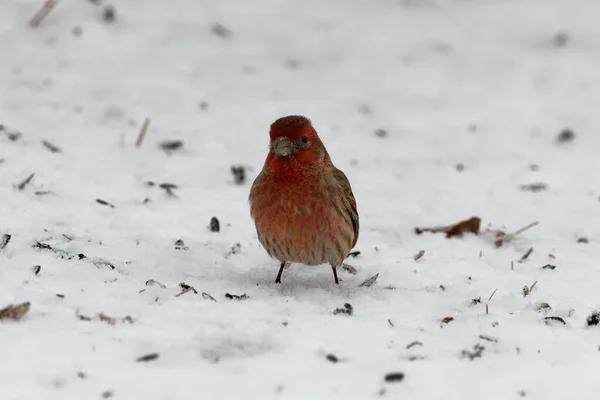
42, 13
142, 134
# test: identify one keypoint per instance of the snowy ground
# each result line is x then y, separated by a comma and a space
482, 83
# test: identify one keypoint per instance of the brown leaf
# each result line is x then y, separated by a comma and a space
468, 225
15, 312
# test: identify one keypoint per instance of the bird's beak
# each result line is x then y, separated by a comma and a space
283, 147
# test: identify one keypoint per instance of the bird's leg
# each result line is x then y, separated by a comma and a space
335, 278
278, 279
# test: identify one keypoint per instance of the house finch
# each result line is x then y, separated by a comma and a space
301, 204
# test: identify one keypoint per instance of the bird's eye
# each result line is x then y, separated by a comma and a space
304, 139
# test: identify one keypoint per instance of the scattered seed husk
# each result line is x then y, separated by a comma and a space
447, 319
109, 14
221, 31
489, 338
105, 318
332, 358
354, 254
36, 269
105, 203
593, 319
543, 306
5, 240
186, 288
566, 135
370, 281
180, 245
25, 182
82, 317
152, 282
534, 187
413, 344
236, 248
15, 312
171, 145
390, 323
214, 225
236, 297
207, 296
477, 352
51, 147
549, 266
526, 255
349, 268
420, 254
346, 310
239, 174
101, 264
553, 318
169, 187
394, 377
148, 357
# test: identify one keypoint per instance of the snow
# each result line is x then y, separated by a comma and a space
474, 82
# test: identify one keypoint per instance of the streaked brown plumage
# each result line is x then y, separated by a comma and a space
302, 205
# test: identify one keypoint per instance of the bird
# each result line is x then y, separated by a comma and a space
302, 206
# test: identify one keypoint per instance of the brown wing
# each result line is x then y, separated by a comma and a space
349, 201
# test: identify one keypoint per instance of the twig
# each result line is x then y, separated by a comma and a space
142, 134
42, 13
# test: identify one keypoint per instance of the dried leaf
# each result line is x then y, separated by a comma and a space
469, 225
15, 312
